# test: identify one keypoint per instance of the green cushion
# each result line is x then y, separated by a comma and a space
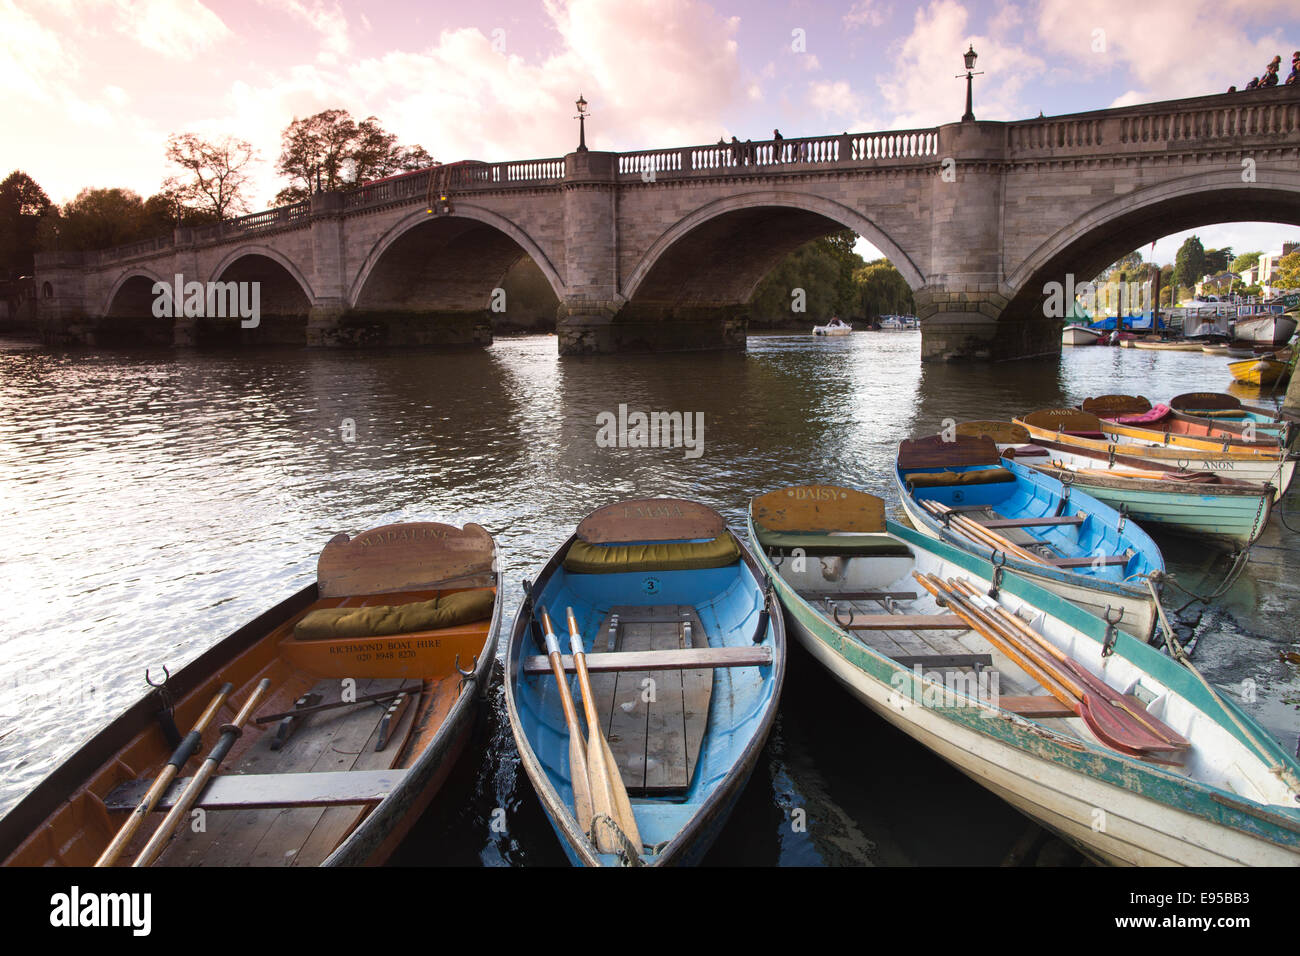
814, 544
584, 558
463, 607
936, 479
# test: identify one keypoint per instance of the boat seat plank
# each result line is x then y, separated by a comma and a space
1106, 560
255, 791
859, 595
905, 622
1033, 522
945, 660
657, 660
327, 741
1035, 705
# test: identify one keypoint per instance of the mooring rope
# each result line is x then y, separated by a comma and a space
1276, 767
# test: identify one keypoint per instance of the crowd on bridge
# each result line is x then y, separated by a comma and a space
1271, 77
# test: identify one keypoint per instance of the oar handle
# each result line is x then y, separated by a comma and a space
178, 759
229, 734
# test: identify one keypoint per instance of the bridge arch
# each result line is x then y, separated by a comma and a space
798, 202
1102, 235
266, 252
405, 227
134, 272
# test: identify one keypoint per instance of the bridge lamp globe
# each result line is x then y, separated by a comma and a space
970, 57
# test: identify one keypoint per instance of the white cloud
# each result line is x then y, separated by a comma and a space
866, 13
1198, 47
326, 19
914, 89
178, 29
33, 61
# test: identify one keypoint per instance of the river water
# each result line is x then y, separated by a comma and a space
152, 502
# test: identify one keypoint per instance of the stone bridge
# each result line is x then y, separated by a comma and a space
662, 249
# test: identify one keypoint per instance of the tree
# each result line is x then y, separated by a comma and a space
22, 205
1245, 261
1217, 260
1189, 264
214, 175
101, 219
821, 272
1287, 273
332, 152
882, 290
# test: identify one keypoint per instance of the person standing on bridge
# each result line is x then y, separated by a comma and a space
1270, 72
777, 151
735, 151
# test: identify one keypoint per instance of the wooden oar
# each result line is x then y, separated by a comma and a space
1085, 676
229, 734
1112, 725
980, 534
606, 780
582, 807
180, 756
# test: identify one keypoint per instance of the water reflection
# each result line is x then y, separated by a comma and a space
153, 502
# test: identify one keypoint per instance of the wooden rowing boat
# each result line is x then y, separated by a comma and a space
1220, 408
1261, 370
1134, 416
1188, 778
686, 652
962, 491
1089, 434
1203, 505
373, 677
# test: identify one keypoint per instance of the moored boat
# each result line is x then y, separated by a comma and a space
1090, 434
1221, 407
352, 698
981, 667
662, 596
963, 492
1167, 345
1134, 416
1267, 329
833, 327
1205, 505
1081, 335
1261, 370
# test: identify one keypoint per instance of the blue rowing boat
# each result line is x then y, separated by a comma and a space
1157, 768
1064, 540
685, 648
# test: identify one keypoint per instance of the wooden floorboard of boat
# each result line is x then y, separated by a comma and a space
327, 741
655, 743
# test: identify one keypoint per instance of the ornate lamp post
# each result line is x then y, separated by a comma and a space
970, 56
582, 124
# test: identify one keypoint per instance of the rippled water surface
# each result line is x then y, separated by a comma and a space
152, 502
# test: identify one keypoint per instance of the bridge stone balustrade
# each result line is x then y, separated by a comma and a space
662, 249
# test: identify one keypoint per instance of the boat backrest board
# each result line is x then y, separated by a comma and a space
936, 451
1106, 406
412, 556
1003, 433
651, 519
819, 508
1063, 420
1197, 401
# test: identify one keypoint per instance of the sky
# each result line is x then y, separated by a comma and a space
93, 88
